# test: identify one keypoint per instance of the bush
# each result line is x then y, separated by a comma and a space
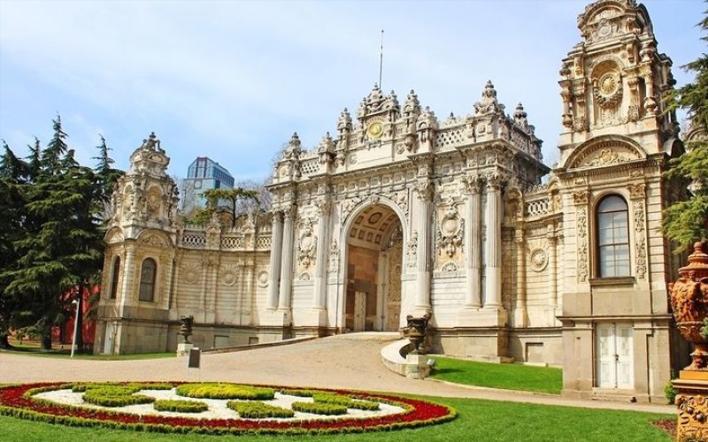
298, 392
258, 410
135, 386
225, 391
112, 398
329, 398
180, 406
670, 392
319, 408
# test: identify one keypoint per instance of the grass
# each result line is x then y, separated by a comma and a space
506, 376
35, 350
477, 420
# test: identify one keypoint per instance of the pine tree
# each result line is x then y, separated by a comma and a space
687, 221
57, 147
34, 162
13, 173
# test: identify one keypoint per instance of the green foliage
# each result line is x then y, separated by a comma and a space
51, 235
226, 198
506, 376
331, 398
686, 222
114, 395
258, 410
319, 408
225, 391
297, 392
704, 329
134, 387
180, 406
670, 392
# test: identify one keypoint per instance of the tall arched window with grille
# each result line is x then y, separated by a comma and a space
114, 277
612, 223
148, 273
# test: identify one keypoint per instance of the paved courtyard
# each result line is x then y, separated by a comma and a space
346, 361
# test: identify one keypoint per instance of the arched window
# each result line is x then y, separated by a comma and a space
612, 237
114, 277
148, 272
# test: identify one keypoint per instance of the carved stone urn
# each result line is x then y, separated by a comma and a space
185, 329
689, 300
416, 330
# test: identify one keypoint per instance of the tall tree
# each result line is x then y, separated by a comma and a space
13, 172
224, 198
687, 221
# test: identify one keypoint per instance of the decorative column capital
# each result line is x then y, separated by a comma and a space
580, 198
424, 190
493, 182
472, 184
637, 191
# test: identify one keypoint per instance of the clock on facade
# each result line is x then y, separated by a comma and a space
375, 130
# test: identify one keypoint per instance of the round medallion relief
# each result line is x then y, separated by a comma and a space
450, 226
263, 279
539, 260
608, 84
229, 278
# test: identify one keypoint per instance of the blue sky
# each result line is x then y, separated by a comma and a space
233, 80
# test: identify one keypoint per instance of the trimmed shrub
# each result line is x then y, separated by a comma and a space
297, 392
329, 398
134, 386
319, 408
112, 399
225, 391
180, 406
670, 393
258, 410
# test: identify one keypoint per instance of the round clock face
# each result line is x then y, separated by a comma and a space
375, 130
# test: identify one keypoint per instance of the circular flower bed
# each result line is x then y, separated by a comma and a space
33, 402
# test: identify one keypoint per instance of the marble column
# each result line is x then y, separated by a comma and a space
129, 273
286, 269
493, 247
552, 259
276, 254
321, 263
473, 296
520, 313
422, 300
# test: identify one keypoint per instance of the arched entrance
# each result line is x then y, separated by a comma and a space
374, 247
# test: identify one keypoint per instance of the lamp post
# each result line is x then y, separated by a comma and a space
76, 323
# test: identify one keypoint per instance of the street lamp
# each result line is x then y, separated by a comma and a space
76, 326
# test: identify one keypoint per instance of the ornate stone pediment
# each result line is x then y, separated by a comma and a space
604, 152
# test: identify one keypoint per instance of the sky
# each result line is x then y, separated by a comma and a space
232, 80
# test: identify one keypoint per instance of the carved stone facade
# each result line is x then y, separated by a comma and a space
399, 213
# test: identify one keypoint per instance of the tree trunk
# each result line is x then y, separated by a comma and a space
4, 341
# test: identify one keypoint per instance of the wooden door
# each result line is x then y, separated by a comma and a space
359, 311
614, 356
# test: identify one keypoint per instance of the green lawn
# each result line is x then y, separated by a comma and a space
34, 350
478, 420
506, 376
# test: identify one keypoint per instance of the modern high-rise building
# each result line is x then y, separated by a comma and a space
203, 174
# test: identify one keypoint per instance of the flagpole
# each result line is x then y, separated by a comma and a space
381, 61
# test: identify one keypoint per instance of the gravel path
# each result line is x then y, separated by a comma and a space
345, 361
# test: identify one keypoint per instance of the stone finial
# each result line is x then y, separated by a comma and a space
392, 102
520, 116
427, 119
488, 104
344, 123
293, 148
412, 105
326, 145
152, 143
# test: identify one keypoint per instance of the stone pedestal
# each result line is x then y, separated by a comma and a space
417, 366
183, 348
692, 402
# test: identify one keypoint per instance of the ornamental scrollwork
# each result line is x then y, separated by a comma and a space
582, 228
412, 249
307, 244
451, 231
